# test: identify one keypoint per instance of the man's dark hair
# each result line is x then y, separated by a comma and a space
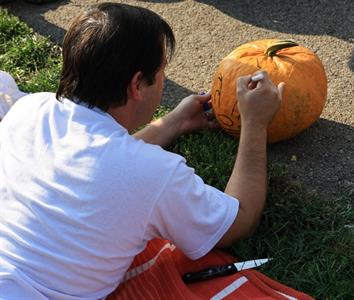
105, 47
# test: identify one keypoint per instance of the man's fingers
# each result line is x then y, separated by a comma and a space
214, 124
206, 106
250, 82
204, 100
242, 83
210, 115
281, 88
258, 79
259, 76
204, 97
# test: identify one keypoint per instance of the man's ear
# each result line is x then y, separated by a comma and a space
135, 86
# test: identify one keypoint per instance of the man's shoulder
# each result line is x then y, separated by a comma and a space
151, 160
34, 98
27, 106
39, 95
156, 153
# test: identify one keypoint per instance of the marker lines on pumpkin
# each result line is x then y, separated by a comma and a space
233, 131
258, 65
233, 108
217, 94
226, 120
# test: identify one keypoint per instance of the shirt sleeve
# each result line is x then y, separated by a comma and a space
190, 213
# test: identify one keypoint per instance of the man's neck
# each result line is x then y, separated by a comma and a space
124, 115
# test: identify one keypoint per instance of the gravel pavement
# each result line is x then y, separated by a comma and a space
321, 158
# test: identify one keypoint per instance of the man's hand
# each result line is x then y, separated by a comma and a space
188, 116
258, 101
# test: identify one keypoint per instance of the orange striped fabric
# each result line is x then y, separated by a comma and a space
156, 274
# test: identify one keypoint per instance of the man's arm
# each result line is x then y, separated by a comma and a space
188, 116
257, 104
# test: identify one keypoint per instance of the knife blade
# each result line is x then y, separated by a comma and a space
218, 271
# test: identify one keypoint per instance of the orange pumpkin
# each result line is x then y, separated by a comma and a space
284, 60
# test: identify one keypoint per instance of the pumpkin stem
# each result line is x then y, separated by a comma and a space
272, 49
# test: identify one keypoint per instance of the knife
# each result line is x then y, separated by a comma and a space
223, 270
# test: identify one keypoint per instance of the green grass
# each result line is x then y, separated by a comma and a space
31, 59
307, 234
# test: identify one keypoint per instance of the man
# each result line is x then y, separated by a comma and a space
81, 195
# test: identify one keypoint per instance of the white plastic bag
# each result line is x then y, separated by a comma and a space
9, 93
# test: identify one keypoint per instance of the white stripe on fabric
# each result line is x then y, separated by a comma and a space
287, 296
230, 288
142, 268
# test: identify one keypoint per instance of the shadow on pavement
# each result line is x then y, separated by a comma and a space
351, 62
322, 161
170, 92
35, 19
325, 17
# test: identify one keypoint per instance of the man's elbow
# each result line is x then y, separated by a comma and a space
243, 227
